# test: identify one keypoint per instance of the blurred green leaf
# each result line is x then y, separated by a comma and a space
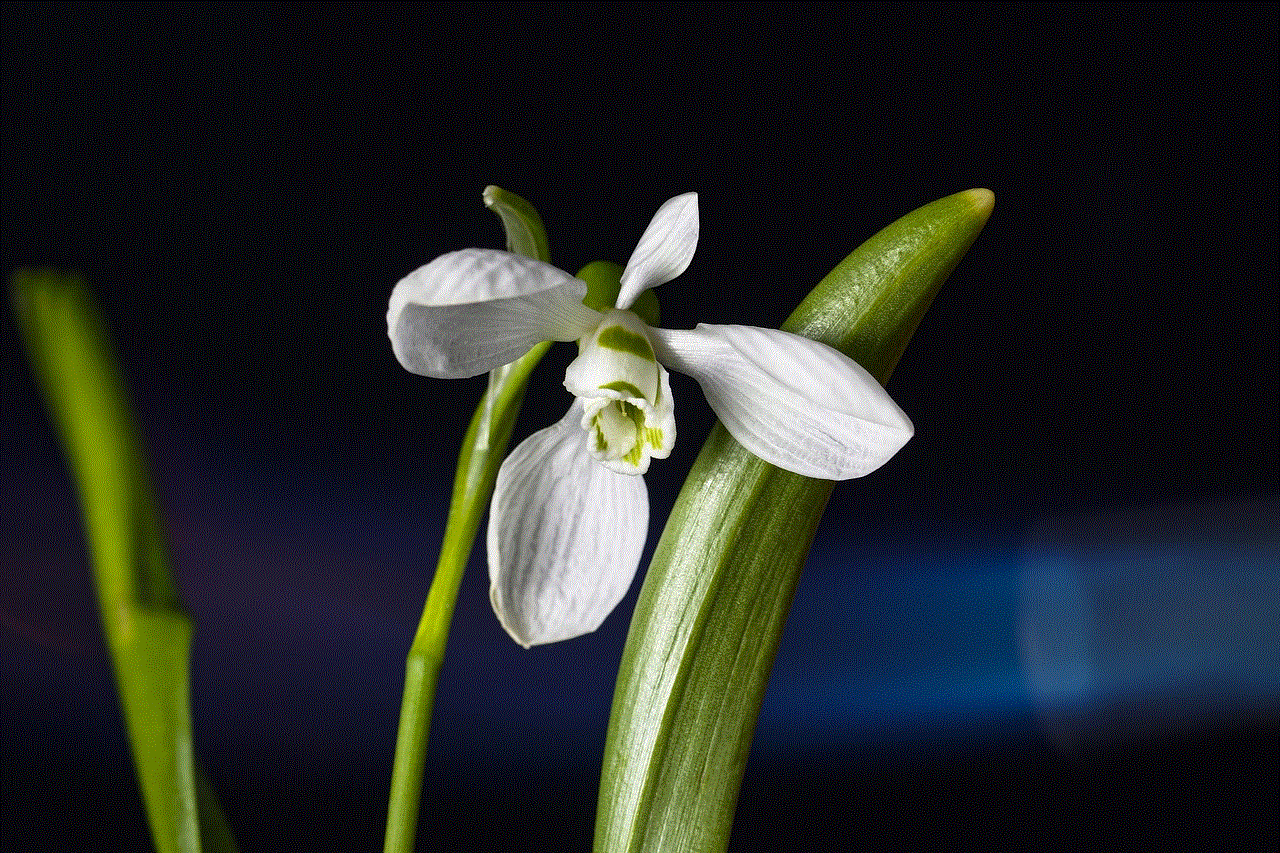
147, 632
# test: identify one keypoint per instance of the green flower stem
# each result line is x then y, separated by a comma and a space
472, 487
147, 632
483, 449
715, 599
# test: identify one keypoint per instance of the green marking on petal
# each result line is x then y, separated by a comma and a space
633, 457
623, 387
625, 340
646, 436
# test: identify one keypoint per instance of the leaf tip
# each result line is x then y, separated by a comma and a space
983, 200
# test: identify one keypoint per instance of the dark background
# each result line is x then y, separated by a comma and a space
1049, 623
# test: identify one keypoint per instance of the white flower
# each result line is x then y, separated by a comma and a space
569, 517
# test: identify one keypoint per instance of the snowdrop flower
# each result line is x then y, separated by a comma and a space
570, 514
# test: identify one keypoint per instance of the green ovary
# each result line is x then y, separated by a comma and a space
623, 388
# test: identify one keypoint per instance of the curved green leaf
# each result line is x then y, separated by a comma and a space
714, 602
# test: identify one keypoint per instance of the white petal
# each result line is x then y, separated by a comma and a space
476, 275
565, 536
793, 402
665, 249
468, 312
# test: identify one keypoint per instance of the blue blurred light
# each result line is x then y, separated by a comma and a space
1143, 619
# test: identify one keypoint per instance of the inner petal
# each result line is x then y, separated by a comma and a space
613, 432
616, 361
625, 434
628, 411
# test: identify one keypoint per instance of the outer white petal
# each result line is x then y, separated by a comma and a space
793, 402
468, 312
476, 275
665, 249
565, 536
